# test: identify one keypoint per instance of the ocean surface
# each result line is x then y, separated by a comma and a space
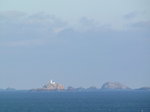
103, 101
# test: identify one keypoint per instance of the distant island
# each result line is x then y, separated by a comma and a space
51, 86
54, 86
144, 88
114, 85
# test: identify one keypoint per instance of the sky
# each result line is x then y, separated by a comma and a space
79, 43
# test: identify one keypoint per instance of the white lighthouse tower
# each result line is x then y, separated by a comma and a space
52, 82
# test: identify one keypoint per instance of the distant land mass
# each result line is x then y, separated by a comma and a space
51, 86
54, 86
144, 88
8, 89
114, 85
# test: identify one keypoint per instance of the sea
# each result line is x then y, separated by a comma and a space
101, 101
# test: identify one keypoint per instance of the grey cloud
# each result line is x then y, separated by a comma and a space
87, 21
141, 25
131, 15
88, 24
39, 20
19, 29
136, 23
45, 19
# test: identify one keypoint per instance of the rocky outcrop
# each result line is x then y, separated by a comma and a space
10, 89
71, 88
114, 85
144, 88
92, 88
51, 86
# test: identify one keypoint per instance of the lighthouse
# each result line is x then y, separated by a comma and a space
52, 82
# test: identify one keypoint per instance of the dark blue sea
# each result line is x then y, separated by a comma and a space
103, 101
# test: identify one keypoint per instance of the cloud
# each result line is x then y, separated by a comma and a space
29, 23
131, 15
137, 21
140, 26
87, 24
21, 29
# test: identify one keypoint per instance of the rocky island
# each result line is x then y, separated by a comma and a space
114, 86
144, 88
51, 86
54, 86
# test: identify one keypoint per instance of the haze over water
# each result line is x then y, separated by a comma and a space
77, 43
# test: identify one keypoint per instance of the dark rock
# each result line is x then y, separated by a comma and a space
114, 85
144, 88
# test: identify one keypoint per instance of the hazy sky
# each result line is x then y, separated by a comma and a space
74, 42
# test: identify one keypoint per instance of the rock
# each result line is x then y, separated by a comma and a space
10, 89
80, 89
51, 86
70, 88
144, 88
114, 85
93, 88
